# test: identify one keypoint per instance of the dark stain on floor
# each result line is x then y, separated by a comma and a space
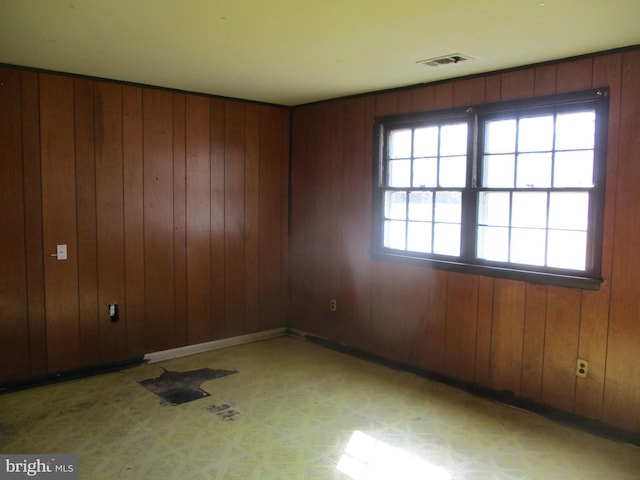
224, 411
182, 387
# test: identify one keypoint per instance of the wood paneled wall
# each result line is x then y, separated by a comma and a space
173, 205
502, 334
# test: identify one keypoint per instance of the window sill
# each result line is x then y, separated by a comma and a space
531, 276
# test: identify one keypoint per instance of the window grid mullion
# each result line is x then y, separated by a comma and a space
551, 187
516, 154
510, 230
433, 218
553, 150
433, 203
408, 192
469, 220
546, 236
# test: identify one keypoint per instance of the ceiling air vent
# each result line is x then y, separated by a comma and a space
451, 59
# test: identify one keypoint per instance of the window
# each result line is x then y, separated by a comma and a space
514, 189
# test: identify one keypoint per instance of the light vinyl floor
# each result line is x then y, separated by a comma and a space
296, 410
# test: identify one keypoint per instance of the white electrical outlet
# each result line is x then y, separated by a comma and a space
582, 368
333, 305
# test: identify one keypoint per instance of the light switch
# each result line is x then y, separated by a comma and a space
62, 252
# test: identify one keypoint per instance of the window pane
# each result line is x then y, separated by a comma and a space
453, 171
421, 206
535, 134
567, 249
500, 136
534, 170
446, 239
493, 243
575, 130
569, 211
573, 169
493, 208
453, 139
498, 171
425, 142
527, 246
448, 207
394, 234
425, 172
529, 209
419, 239
400, 143
395, 205
400, 173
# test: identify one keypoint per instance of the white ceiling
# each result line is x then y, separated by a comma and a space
291, 52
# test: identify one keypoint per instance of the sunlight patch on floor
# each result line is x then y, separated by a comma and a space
367, 458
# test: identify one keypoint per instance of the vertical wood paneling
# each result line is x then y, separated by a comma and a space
59, 220
533, 342
198, 214
234, 219
443, 95
483, 333
423, 98
323, 244
493, 87
87, 228
507, 331
14, 331
545, 80
33, 221
404, 100
574, 75
269, 185
158, 219
218, 286
354, 318
316, 240
110, 218
436, 330
297, 215
469, 91
399, 342
180, 188
317, 285
334, 220
382, 328
561, 348
103, 168
281, 313
416, 306
622, 401
517, 84
133, 192
252, 212
462, 314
